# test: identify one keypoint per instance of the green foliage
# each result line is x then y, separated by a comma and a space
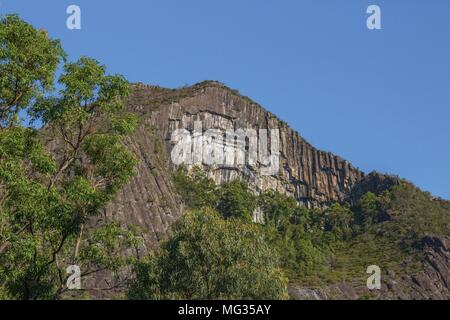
88, 95
104, 243
233, 199
124, 123
291, 229
334, 244
278, 208
387, 231
48, 195
369, 208
28, 61
299, 256
414, 215
236, 200
197, 190
112, 163
338, 220
208, 257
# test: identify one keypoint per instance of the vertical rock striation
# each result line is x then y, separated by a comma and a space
313, 177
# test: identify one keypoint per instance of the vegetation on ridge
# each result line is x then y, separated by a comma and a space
338, 243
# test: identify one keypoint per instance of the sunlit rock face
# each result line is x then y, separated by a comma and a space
313, 177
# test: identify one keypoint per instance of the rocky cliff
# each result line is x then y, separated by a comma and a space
315, 178
312, 176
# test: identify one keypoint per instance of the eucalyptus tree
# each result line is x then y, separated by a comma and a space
53, 180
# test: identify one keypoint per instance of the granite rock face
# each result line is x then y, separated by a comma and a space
313, 177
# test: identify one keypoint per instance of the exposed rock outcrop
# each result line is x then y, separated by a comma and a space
373, 182
314, 177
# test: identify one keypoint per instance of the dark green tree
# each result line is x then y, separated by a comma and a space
368, 210
197, 190
208, 257
28, 61
237, 200
338, 220
278, 208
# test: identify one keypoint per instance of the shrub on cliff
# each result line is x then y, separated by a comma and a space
237, 201
196, 189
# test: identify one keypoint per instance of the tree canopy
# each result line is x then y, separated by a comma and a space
48, 193
208, 257
28, 61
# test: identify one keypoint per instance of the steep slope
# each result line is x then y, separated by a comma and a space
430, 281
312, 176
315, 178
408, 239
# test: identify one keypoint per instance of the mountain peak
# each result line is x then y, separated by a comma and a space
314, 177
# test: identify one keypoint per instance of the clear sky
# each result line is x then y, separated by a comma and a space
379, 98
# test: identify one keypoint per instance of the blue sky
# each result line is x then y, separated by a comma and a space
379, 98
